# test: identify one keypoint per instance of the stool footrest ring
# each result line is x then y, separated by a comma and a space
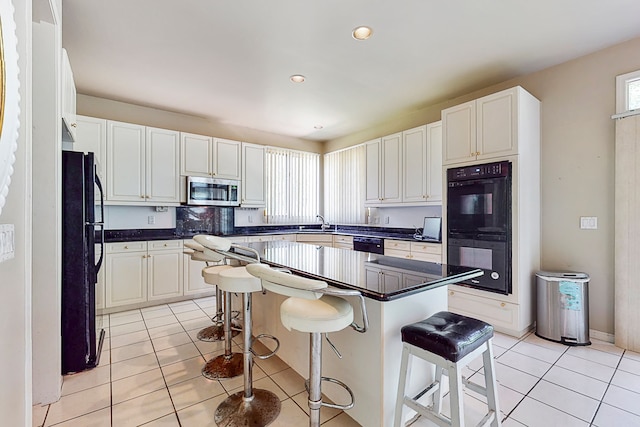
266, 355
335, 405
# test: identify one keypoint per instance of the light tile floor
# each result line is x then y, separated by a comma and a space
149, 374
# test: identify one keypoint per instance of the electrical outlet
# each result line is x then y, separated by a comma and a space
7, 242
589, 222
250, 219
386, 220
151, 219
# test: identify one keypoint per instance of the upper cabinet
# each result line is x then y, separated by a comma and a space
142, 164
253, 175
384, 170
69, 124
91, 137
422, 164
405, 168
484, 128
209, 157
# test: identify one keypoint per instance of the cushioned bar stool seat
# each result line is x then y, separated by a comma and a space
450, 341
314, 308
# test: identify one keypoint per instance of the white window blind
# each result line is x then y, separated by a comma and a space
344, 186
292, 186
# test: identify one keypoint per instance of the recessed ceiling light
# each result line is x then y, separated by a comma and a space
362, 33
297, 78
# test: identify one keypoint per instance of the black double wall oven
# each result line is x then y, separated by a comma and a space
479, 223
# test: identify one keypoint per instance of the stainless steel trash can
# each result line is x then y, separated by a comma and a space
563, 307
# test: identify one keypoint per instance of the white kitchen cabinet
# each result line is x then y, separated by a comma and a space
484, 128
421, 251
209, 157
318, 239
138, 272
126, 273
253, 175
382, 279
196, 152
384, 170
126, 157
91, 137
142, 164
342, 241
434, 163
414, 170
69, 124
164, 269
194, 283
422, 164
162, 166
284, 237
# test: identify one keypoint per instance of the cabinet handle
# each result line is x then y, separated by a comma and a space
126, 247
142, 197
451, 293
165, 245
74, 125
502, 304
477, 153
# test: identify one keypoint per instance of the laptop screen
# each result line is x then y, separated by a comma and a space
432, 229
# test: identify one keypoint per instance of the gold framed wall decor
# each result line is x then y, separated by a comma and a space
9, 97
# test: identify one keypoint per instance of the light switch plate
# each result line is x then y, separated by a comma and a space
589, 222
7, 242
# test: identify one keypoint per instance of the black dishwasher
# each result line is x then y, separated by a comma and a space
374, 245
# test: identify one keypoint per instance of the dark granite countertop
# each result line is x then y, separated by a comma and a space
359, 270
129, 235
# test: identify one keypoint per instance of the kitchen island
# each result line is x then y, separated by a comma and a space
397, 292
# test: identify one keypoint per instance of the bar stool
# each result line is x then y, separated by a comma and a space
216, 331
314, 308
449, 341
250, 407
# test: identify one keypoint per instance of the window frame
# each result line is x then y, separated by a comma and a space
622, 92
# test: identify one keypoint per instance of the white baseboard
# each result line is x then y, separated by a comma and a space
602, 336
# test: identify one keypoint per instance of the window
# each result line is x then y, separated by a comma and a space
292, 186
344, 185
628, 92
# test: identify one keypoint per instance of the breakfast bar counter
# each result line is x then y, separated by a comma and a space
397, 292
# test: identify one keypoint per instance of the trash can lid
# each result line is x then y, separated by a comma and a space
563, 275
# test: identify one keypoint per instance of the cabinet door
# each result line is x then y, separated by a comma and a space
165, 276
414, 168
226, 159
126, 278
193, 281
496, 121
459, 133
253, 180
91, 137
434, 162
162, 166
125, 162
69, 124
372, 173
391, 172
196, 153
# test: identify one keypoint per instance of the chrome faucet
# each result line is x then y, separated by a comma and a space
325, 224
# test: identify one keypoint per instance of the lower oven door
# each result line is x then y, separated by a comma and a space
492, 256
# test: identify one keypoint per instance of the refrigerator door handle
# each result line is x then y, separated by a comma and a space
99, 263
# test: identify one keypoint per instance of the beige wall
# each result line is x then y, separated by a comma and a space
577, 158
114, 110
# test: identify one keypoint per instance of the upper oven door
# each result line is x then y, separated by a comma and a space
212, 192
479, 205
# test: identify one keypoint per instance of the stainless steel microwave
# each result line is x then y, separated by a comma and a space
212, 191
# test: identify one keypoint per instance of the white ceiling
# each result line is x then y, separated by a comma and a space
230, 61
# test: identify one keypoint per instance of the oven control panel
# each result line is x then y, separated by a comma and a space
479, 171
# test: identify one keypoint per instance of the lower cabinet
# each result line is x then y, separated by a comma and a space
421, 251
194, 283
343, 242
137, 272
503, 315
318, 239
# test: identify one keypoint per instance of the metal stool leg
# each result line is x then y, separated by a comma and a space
229, 364
250, 407
216, 331
315, 379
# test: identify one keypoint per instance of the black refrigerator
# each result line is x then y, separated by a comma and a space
82, 229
